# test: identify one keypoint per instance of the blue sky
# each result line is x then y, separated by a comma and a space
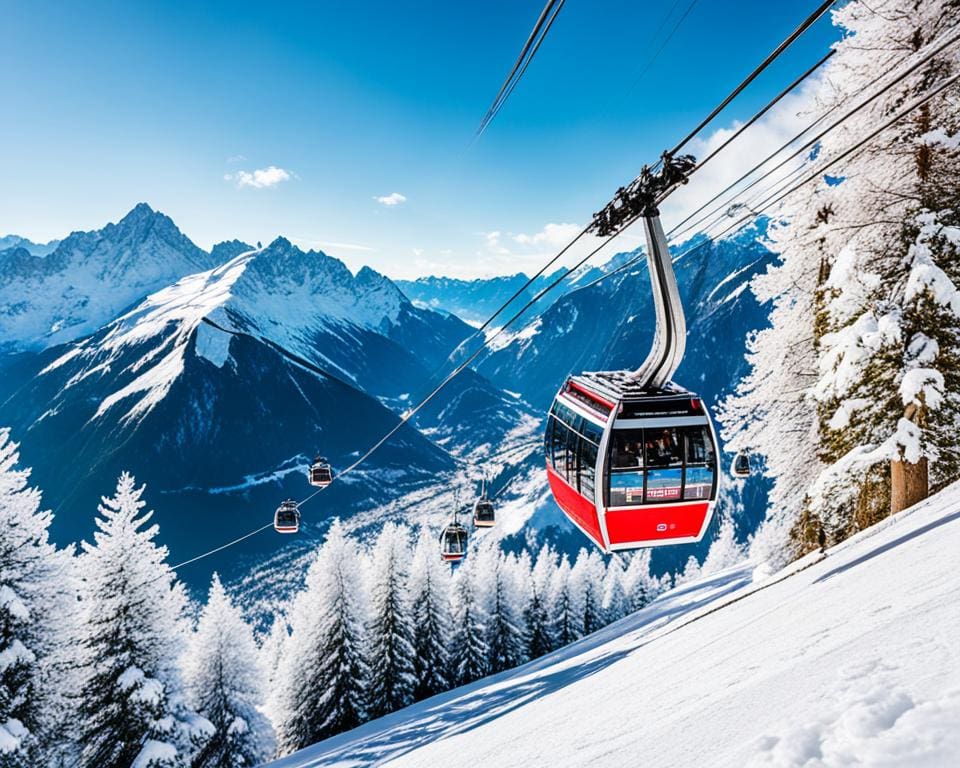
106, 104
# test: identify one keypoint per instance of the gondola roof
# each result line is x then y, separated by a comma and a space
620, 385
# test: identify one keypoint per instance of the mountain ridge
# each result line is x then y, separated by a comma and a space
217, 387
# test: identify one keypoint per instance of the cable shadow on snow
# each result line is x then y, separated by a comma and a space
877, 551
450, 718
487, 700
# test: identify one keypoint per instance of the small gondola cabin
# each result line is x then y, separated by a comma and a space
453, 543
484, 515
741, 465
287, 518
321, 473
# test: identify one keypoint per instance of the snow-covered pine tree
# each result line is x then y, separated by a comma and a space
889, 390
725, 549
506, 642
468, 644
540, 638
37, 599
432, 629
271, 649
875, 249
639, 585
132, 633
390, 627
225, 685
566, 615
691, 572
615, 604
323, 672
587, 580
772, 415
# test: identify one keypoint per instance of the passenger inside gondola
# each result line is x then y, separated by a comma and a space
624, 454
664, 451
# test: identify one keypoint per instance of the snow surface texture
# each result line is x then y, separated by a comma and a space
848, 659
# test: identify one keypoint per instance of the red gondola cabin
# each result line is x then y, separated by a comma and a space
631, 467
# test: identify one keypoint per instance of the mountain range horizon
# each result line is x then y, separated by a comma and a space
13, 240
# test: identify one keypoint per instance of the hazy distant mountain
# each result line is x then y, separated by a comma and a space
36, 249
470, 300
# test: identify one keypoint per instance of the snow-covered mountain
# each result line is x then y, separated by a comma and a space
218, 387
847, 658
608, 324
90, 278
217, 384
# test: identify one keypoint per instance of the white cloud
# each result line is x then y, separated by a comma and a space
394, 198
494, 245
345, 246
236, 159
553, 235
503, 253
260, 178
782, 123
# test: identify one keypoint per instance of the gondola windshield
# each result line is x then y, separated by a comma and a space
650, 466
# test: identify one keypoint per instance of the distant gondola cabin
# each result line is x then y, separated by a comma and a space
321, 473
741, 465
453, 543
484, 515
287, 518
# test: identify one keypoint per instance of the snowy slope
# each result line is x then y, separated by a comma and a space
848, 659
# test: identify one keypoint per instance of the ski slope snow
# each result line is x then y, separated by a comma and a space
852, 658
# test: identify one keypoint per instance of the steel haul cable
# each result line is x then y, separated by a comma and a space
520, 66
804, 26
473, 356
650, 62
533, 53
928, 53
